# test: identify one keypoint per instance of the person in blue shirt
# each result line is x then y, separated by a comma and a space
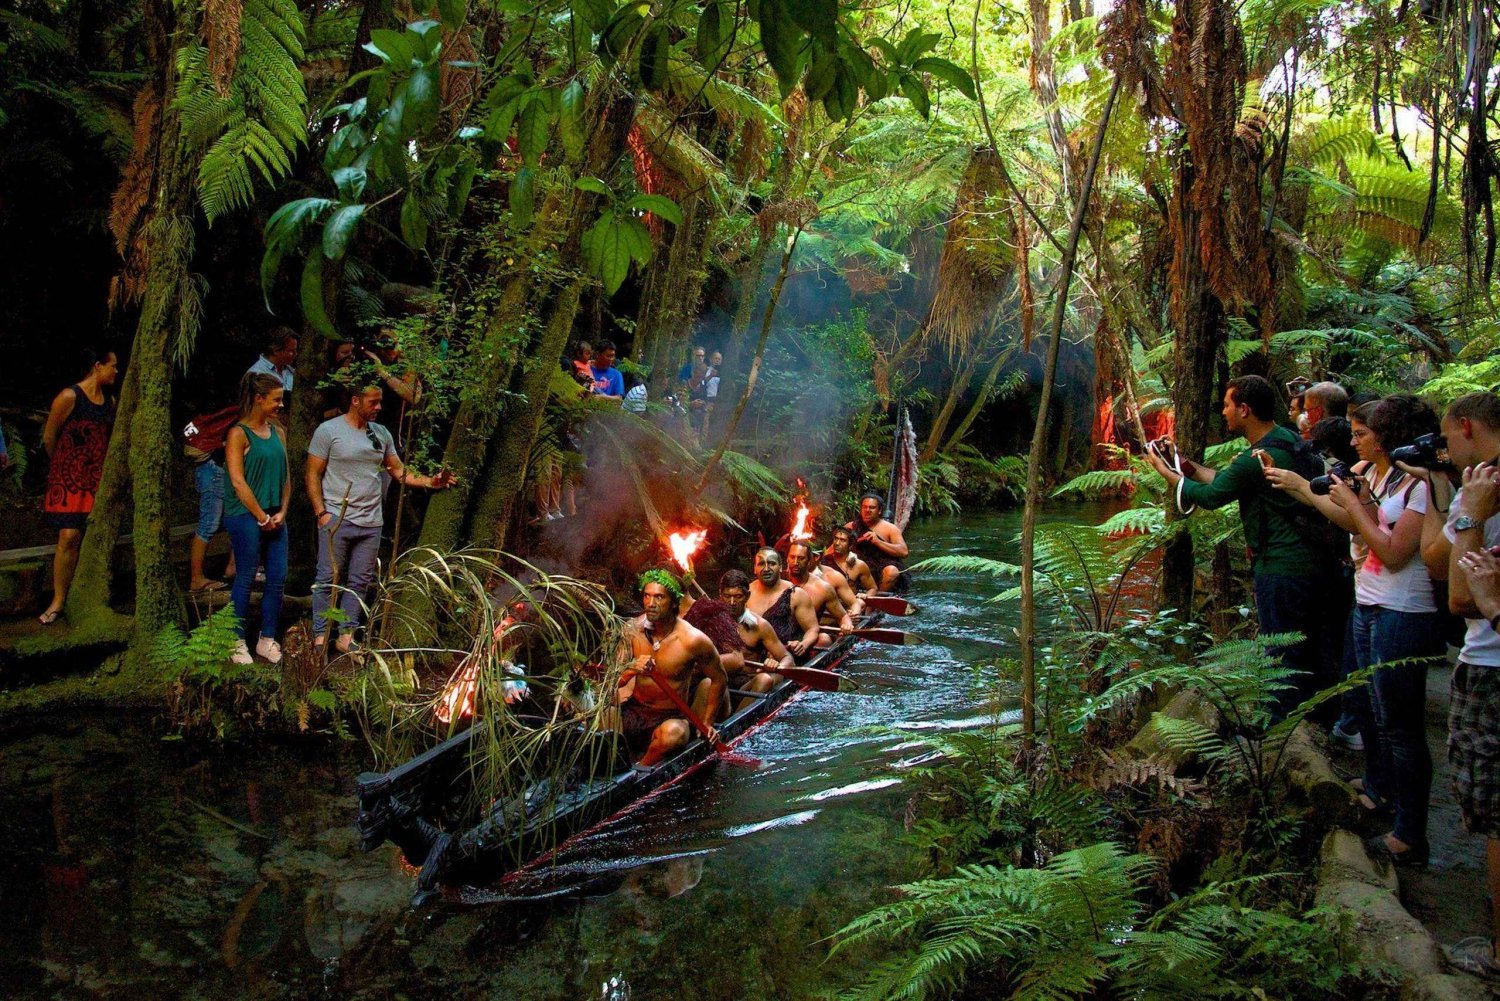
608, 382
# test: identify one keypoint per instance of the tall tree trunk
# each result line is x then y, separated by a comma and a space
1044, 86
477, 417
1198, 317
505, 473
670, 301
977, 407
754, 374
950, 404
1039, 436
744, 312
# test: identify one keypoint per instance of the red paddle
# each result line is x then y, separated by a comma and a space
889, 604
723, 750
895, 637
816, 678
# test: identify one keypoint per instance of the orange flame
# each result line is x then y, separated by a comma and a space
800, 532
458, 698
684, 545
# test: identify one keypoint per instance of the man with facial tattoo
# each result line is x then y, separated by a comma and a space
783, 604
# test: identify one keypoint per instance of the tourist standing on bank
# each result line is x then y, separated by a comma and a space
608, 382
1295, 583
76, 438
344, 464
278, 358
255, 510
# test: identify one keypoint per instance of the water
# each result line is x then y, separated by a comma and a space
133, 867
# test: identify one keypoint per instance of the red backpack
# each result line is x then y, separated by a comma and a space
207, 432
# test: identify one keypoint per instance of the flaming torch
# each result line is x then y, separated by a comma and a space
684, 545
457, 701
800, 531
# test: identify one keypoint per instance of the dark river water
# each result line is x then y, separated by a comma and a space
134, 867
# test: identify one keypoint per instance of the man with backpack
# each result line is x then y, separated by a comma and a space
1295, 569
204, 445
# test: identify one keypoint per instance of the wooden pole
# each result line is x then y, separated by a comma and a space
1039, 437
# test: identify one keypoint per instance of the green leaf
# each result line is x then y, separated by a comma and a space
340, 229
595, 185
413, 222
312, 294
819, 18
350, 182
915, 43
843, 99
452, 12
949, 73
892, 57
916, 94
657, 205
622, 27
532, 132
606, 252
422, 100
523, 197
594, 13
390, 46
821, 74
637, 239
287, 223
783, 42
651, 68
463, 182
570, 118
713, 39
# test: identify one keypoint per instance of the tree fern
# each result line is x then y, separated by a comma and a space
256, 127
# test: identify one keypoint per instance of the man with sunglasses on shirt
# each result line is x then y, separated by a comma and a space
344, 462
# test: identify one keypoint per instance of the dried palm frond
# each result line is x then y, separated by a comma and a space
134, 189
978, 256
221, 31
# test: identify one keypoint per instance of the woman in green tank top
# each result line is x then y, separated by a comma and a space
255, 510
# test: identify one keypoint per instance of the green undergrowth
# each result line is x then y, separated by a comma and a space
1128, 853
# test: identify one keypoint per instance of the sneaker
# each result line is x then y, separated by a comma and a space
1475, 955
268, 650
1353, 741
241, 654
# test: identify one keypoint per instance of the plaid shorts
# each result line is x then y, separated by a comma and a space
1474, 746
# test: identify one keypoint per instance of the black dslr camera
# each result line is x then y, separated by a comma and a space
1428, 452
1321, 485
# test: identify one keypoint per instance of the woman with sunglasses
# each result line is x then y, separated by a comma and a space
345, 460
255, 510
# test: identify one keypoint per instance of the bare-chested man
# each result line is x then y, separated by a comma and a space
800, 564
826, 570
764, 653
878, 542
784, 605
839, 555
673, 652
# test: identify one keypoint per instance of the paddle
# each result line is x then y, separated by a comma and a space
895, 637
890, 604
725, 753
816, 678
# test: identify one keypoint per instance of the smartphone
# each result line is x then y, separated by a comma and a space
1266, 462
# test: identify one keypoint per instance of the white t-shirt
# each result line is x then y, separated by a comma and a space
1481, 642
1408, 589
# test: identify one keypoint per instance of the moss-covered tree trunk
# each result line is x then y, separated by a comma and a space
950, 406
509, 462
674, 290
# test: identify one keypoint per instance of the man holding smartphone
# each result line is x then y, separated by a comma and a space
1293, 582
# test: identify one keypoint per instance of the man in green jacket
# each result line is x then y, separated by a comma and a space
1296, 580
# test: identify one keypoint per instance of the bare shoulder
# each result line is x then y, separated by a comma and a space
695, 639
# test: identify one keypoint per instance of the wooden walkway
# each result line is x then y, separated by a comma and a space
32, 552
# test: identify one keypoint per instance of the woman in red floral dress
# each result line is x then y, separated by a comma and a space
76, 438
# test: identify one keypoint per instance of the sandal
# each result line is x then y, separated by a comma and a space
209, 587
48, 617
1474, 955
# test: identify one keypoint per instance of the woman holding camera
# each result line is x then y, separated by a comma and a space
1395, 619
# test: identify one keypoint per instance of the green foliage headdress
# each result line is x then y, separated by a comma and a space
670, 583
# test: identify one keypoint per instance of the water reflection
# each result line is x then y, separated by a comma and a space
131, 868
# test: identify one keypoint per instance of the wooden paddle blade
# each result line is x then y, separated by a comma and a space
889, 604
895, 637
823, 681
734, 759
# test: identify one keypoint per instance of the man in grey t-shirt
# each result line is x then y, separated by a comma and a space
344, 462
